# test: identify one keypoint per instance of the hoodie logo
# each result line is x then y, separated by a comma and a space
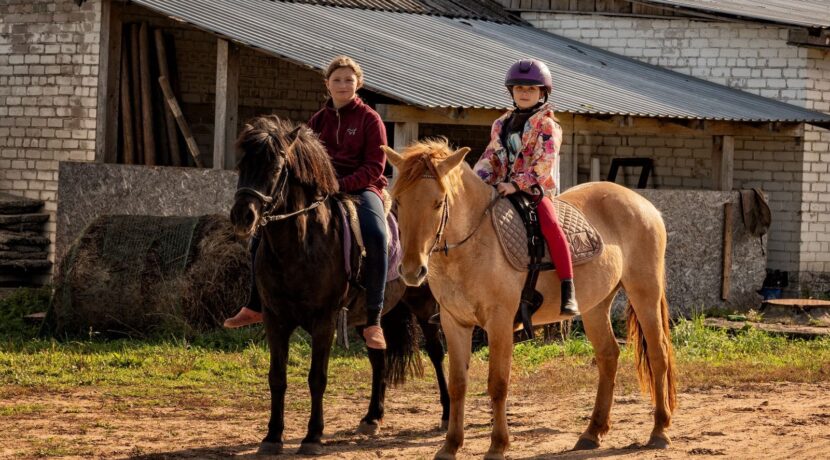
351, 131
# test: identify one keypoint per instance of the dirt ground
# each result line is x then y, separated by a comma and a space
757, 421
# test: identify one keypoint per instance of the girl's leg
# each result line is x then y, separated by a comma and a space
373, 227
251, 313
560, 253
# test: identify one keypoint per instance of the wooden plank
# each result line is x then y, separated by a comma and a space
146, 97
406, 113
109, 68
136, 94
727, 251
723, 155
170, 121
793, 330
227, 100
128, 136
183, 126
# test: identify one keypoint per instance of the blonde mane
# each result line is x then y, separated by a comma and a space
422, 158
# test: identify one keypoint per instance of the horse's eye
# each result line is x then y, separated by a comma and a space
438, 204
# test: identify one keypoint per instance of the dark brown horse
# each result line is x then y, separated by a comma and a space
287, 186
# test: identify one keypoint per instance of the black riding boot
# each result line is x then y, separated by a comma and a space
569, 307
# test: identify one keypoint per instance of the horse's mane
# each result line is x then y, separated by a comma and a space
311, 174
421, 158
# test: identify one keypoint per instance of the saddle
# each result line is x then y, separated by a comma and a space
521, 239
354, 251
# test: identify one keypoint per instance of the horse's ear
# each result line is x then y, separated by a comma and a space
452, 161
394, 157
293, 137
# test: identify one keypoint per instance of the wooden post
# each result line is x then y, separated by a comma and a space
146, 97
170, 122
723, 155
405, 134
126, 108
138, 123
727, 250
227, 100
109, 81
177, 113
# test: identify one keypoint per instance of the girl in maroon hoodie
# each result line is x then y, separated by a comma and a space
353, 134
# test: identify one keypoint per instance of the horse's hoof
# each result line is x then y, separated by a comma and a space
586, 443
368, 428
310, 448
658, 442
445, 425
269, 448
442, 455
494, 456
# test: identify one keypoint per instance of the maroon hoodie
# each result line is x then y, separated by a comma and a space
352, 136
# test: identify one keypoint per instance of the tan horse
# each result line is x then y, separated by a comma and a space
441, 198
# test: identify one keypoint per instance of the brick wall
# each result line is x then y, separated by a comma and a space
48, 93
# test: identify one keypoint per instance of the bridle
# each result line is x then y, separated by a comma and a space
268, 202
445, 217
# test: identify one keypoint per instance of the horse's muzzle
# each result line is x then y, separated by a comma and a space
244, 218
416, 279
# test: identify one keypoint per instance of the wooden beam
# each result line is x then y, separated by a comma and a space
727, 251
183, 126
816, 38
109, 69
723, 155
170, 122
406, 113
227, 101
147, 134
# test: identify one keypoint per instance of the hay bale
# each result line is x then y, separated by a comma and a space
149, 275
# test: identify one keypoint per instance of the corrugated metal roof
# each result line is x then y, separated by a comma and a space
489, 10
805, 13
432, 61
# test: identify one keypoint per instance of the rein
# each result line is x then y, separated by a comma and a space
445, 217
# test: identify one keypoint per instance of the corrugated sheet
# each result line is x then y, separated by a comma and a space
489, 10
806, 13
433, 61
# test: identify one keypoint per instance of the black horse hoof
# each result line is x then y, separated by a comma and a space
311, 448
586, 444
269, 448
368, 428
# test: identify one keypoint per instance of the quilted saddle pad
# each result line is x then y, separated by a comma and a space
585, 241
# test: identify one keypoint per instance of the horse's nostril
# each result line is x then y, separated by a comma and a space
422, 273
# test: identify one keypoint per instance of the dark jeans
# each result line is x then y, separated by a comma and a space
373, 229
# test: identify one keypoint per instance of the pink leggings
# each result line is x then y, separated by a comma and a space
560, 251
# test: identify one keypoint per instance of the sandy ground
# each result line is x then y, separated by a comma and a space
757, 421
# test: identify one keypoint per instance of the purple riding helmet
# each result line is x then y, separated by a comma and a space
529, 72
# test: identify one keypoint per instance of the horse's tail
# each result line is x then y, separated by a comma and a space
637, 339
403, 338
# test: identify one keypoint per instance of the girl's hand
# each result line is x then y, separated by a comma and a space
506, 188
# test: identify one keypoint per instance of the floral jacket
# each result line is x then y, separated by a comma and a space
538, 161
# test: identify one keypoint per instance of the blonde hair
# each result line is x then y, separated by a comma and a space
340, 62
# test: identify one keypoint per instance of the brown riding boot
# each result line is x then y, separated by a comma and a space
245, 317
569, 307
374, 338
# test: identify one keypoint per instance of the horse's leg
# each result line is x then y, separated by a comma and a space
435, 351
646, 303
459, 343
500, 340
597, 323
322, 334
278, 333
370, 424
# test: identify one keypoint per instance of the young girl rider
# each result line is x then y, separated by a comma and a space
353, 134
523, 156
